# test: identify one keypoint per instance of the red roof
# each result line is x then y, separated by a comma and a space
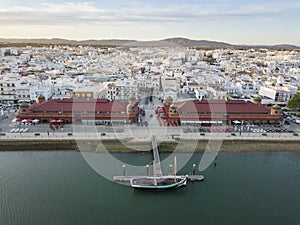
80, 105
221, 106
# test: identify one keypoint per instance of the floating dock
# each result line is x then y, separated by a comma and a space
195, 177
192, 178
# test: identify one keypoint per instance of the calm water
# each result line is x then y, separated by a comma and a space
60, 188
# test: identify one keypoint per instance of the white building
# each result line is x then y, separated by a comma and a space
23, 88
8, 95
278, 93
245, 88
200, 94
122, 89
216, 92
230, 88
46, 91
88, 91
126, 89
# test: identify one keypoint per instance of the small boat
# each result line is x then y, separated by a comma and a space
158, 183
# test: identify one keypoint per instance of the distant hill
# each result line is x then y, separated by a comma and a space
115, 42
169, 42
285, 46
185, 42
60, 41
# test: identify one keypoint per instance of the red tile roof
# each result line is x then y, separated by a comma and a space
79, 105
221, 106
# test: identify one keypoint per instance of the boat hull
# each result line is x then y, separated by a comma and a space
158, 183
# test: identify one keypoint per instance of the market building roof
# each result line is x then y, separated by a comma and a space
80, 105
220, 106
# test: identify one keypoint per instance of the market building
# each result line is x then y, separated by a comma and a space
217, 112
87, 111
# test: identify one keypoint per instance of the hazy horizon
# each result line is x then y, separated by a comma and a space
108, 39
250, 22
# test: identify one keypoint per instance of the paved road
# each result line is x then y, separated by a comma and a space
142, 133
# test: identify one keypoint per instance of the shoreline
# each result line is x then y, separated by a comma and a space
125, 145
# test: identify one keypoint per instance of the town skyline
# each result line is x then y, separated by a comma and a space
251, 23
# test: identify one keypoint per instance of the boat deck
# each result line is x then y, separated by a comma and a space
150, 181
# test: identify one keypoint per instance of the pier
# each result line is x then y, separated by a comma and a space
156, 161
157, 172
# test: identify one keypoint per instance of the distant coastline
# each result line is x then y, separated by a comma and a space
233, 145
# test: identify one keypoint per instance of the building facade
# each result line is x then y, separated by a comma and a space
217, 112
81, 110
8, 95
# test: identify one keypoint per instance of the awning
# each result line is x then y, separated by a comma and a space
201, 121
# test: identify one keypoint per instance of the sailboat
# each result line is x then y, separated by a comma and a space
159, 183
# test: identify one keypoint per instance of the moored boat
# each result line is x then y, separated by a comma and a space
158, 183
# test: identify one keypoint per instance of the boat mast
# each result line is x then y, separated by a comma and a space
175, 167
154, 174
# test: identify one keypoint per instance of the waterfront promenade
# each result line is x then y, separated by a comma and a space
144, 136
140, 140
140, 133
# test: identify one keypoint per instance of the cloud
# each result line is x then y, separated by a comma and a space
68, 13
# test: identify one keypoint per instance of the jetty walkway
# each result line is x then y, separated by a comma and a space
156, 167
156, 160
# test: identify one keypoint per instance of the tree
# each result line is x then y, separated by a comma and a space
294, 103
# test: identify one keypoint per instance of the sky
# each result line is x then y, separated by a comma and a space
233, 21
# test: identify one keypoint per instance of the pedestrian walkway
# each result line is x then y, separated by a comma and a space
156, 160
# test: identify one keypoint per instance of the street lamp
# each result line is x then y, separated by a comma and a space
123, 170
194, 171
147, 170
